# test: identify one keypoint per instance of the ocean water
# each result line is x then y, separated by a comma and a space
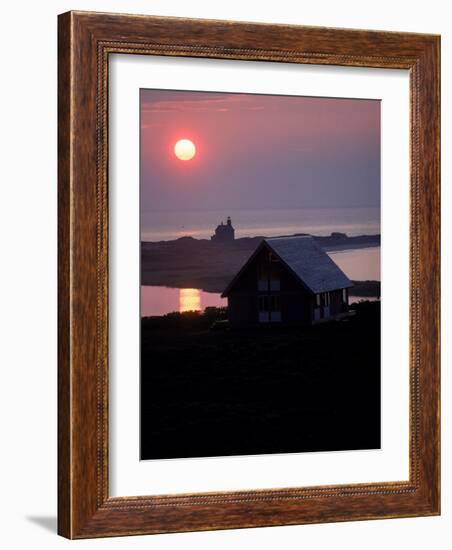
359, 264
200, 224
160, 300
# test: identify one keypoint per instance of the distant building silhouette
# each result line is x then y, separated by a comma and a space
224, 233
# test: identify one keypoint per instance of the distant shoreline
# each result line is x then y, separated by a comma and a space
204, 264
350, 246
334, 242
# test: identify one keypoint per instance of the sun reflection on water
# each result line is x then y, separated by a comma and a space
189, 299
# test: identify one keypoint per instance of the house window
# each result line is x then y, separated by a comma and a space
269, 308
344, 295
275, 281
262, 270
268, 275
262, 276
264, 303
275, 302
270, 302
317, 300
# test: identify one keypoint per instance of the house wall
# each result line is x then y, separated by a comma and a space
296, 301
243, 301
330, 304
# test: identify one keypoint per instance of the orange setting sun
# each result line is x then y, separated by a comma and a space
184, 149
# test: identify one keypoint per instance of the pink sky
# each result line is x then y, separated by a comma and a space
259, 151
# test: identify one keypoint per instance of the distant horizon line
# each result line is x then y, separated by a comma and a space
333, 234
238, 208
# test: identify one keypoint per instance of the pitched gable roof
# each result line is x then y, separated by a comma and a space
310, 263
306, 260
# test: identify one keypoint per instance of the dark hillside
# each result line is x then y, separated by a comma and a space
223, 392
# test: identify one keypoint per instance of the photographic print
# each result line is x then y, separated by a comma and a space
260, 274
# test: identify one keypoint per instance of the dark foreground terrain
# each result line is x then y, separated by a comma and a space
223, 392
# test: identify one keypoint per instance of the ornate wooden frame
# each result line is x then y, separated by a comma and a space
85, 42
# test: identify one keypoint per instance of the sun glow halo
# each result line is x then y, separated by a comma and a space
184, 149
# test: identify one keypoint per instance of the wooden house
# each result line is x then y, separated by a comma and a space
287, 280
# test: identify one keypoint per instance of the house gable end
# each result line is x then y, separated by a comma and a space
252, 260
